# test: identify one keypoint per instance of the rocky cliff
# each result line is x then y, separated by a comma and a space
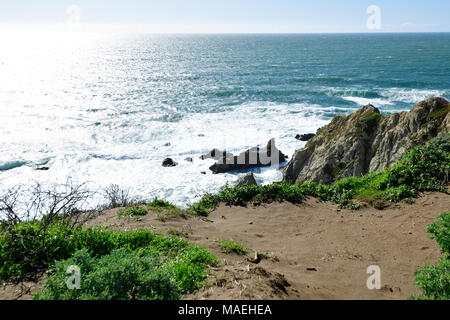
367, 141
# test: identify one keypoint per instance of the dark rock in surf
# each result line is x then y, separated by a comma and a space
305, 137
167, 163
215, 154
252, 158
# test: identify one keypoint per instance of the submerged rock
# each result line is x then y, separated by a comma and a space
169, 163
215, 154
305, 137
252, 158
247, 180
366, 142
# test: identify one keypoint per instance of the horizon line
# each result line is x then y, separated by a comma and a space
161, 29
223, 33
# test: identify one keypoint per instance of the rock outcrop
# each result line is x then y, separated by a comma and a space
252, 158
247, 180
367, 141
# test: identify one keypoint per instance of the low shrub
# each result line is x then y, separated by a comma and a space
121, 275
425, 168
163, 271
440, 231
434, 280
99, 242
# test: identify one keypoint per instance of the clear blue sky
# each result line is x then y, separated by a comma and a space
237, 15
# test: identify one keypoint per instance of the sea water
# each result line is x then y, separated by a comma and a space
108, 109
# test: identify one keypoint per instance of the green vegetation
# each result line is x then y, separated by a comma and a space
371, 120
133, 211
315, 144
434, 280
440, 231
441, 113
159, 205
425, 168
145, 265
173, 232
230, 246
166, 210
121, 275
172, 265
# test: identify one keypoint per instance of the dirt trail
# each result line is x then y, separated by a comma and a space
315, 250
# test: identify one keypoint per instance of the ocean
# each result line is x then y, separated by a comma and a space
109, 109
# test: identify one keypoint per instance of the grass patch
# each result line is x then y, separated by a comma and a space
230, 246
132, 211
426, 168
166, 210
241, 196
159, 205
373, 197
173, 232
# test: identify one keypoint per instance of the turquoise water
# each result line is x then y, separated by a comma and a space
103, 108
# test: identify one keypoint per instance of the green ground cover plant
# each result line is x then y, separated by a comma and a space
434, 280
425, 168
183, 264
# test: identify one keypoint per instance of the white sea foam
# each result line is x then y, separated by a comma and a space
103, 110
377, 102
410, 95
389, 97
131, 156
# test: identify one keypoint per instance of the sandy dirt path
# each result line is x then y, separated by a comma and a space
314, 250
